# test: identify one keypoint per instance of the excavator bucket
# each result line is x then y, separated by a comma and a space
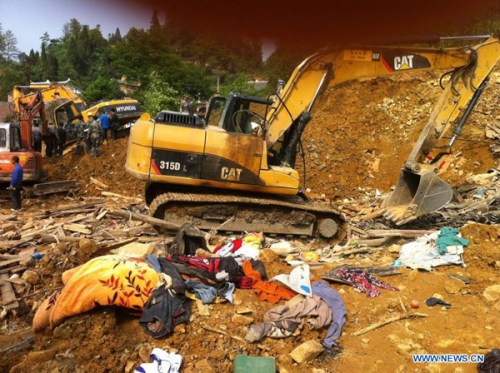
416, 194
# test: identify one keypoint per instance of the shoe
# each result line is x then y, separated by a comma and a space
16, 210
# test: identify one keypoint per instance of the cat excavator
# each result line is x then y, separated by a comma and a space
235, 170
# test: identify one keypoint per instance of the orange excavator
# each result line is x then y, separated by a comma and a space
16, 139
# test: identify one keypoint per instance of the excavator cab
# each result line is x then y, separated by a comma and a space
239, 114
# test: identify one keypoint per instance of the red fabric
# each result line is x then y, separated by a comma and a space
236, 245
269, 291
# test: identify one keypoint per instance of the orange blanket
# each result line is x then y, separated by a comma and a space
102, 281
269, 291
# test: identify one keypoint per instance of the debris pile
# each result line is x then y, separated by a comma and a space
278, 303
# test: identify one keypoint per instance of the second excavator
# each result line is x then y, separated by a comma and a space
236, 172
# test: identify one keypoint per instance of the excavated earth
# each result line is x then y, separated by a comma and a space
356, 143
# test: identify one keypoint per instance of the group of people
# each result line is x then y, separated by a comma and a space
89, 136
54, 139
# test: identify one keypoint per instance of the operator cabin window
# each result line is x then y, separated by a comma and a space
249, 118
3, 138
15, 139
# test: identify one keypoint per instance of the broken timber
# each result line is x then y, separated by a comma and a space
145, 219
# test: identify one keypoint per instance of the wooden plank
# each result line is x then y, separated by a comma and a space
146, 219
133, 199
13, 269
7, 263
7, 245
8, 295
99, 183
403, 233
101, 215
50, 238
118, 244
8, 217
77, 228
72, 207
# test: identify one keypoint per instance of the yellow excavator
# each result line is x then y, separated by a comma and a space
235, 169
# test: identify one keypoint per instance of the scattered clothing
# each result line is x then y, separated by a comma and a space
268, 291
214, 270
208, 294
298, 280
337, 306
433, 301
449, 237
282, 321
360, 279
169, 269
103, 281
247, 247
423, 253
163, 311
187, 240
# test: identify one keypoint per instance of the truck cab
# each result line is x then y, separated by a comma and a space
10, 145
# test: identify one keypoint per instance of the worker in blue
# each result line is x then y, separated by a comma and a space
16, 184
104, 120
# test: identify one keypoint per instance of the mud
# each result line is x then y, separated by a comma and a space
349, 151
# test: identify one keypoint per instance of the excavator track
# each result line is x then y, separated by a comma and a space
236, 213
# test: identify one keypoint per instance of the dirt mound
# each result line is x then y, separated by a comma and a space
108, 168
362, 132
110, 340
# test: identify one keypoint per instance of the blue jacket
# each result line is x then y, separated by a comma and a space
104, 121
17, 176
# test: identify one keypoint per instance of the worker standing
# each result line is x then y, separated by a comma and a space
16, 184
51, 140
61, 140
37, 138
114, 123
185, 105
80, 136
104, 119
94, 137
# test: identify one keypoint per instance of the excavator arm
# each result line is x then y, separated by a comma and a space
419, 190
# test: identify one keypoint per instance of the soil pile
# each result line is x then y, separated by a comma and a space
362, 132
108, 167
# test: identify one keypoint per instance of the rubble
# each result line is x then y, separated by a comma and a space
307, 351
107, 215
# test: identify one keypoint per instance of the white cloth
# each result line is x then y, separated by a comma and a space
298, 280
423, 253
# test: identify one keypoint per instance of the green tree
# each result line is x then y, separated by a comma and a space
159, 95
9, 46
102, 88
